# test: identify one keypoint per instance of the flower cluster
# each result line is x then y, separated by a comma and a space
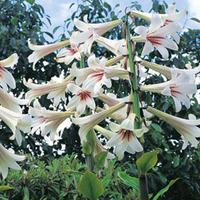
11, 114
89, 81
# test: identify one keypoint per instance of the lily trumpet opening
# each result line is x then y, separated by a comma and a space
98, 74
170, 17
6, 77
179, 88
40, 51
157, 36
48, 121
88, 122
88, 32
187, 128
82, 97
67, 55
125, 137
8, 160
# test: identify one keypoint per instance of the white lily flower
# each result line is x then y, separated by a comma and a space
88, 32
6, 77
67, 55
10, 102
48, 121
16, 122
82, 97
88, 122
8, 160
98, 74
56, 89
40, 51
118, 47
125, 137
187, 128
157, 36
179, 88
170, 17
167, 71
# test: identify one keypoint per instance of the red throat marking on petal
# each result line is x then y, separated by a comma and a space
84, 95
98, 75
155, 40
125, 134
174, 90
167, 21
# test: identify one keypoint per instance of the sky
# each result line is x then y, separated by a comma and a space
58, 10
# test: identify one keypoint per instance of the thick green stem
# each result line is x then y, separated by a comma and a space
136, 104
82, 62
143, 187
133, 78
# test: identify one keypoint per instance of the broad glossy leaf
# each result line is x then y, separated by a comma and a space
129, 180
147, 161
90, 186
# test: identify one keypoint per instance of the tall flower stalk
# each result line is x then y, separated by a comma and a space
136, 103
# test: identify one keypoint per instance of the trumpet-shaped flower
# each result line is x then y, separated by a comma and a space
67, 55
10, 102
157, 36
82, 97
88, 31
8, 160
88, 122
98, 74
118, 47
55, 89
48, 121
125, 137
6, 77
168, 72
16, 122
170, 17
179, 88
40, 51
187, 128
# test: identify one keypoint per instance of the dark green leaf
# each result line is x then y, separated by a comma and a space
100, 159
90, 186
129, 180
165, 189
147, 161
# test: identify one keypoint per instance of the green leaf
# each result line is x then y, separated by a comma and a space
106, 180
157, 127
165, 189
129, 180
31, 1
90, 186
195, 19
26, 194
100, 159
5, 187
147, 161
